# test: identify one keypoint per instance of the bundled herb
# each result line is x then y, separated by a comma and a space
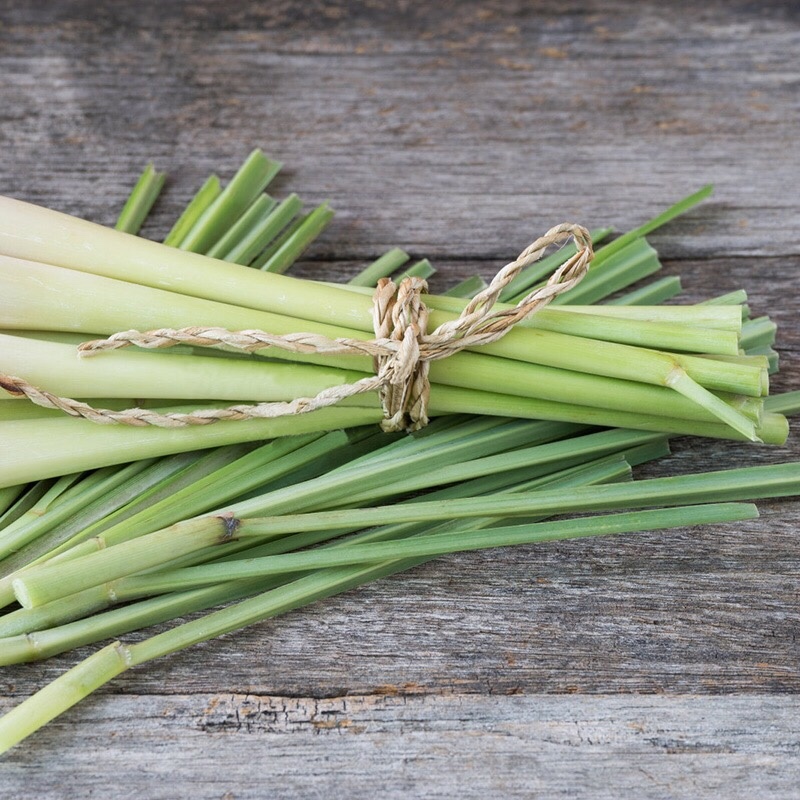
262, 528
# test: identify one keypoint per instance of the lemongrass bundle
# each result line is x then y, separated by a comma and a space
323, 489
101, 281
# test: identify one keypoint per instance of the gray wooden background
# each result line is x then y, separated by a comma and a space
648, 666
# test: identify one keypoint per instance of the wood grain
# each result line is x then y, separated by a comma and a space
252, 746
644, 666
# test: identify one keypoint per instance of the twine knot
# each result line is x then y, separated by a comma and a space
402, 350
399, 315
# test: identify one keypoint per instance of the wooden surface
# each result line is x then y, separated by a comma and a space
655, 665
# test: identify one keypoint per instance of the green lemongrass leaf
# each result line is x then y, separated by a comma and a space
258, 210
111, 661
161, 479
651, 294
467, 288
442, 543
380, 268
127, 482
681, 207
28, 620
42, 518
759, 332
633, 263
683, 384
245, 186
421, 269
735, 298
726, 318
744, 483
8, 496
299, 239
118, 621
141, 200
264, 232
258, 468
205, 196
194, 535
25, 501
784, 403
531, 275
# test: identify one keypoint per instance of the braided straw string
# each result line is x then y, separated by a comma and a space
401, 351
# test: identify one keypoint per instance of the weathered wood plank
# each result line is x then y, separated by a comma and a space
251, 746
455, 130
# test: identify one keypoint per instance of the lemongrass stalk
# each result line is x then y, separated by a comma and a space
139, 486
735, 298
149, 263
686, 328
250, 245
258, 468
205, 196
583, 469
385, 477
598, 471
681, 207
292, 247
739, 484
25, 501
56, 368
165, 493
141, 200
8, 496
127, 304
480, 436
443, 543
467, 288
249, 182
23, 621
531, 275
745, 483
84, 445
759, 332
111, 661
28, 620
636, 261
380, 268
258, 210
51, 496
105, 445
41, 517
62, 694
53, 367
41, 643
164, 478
727, 318
421, 269
651, 294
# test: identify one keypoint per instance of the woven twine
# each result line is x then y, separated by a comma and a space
401, 351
